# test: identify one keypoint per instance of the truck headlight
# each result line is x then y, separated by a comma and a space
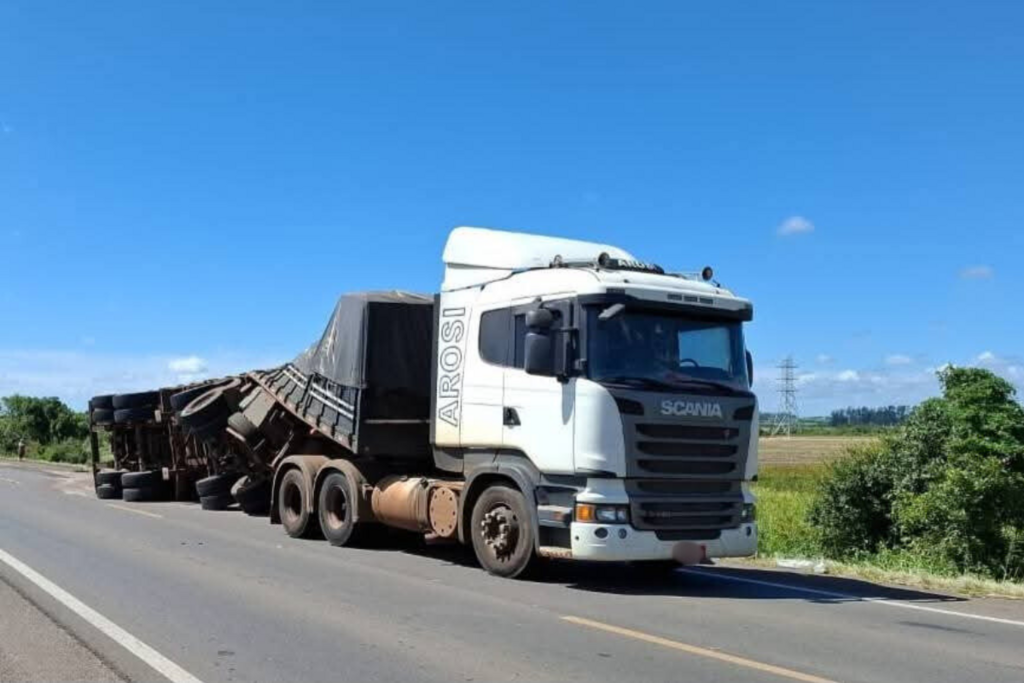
748, 513
608, 514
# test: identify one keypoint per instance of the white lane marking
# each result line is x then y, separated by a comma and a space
75, 493
164, 666
854, 598
138, 512
10, 481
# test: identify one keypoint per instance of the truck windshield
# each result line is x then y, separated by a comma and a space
658, 349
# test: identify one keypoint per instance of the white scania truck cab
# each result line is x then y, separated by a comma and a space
591, 402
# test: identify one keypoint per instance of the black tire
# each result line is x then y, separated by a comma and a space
293, 505
141, 494
508, 551
219, 502
103, 416
338, 512
147, 479
108, 492
244, 428
109, 477
105, 402
217, 485
209, 407
145, 399
181, 399
126, 415
253, 497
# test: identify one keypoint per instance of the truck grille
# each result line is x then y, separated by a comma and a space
701, 507
686, 450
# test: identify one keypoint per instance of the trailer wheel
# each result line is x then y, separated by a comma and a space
147, 479
145, 399
122, 415
141, 494
206, 409
252, 497
110, 477
292, 505
102, 416
221, 501
218, 484
338, 509
108, 492
105, 402
501, 532
181, 399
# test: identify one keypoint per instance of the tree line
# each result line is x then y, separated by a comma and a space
47, 427
885, 416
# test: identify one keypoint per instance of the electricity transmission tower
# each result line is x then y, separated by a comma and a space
786, 417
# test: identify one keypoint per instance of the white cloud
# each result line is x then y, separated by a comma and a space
188, 364
76, 376
1011, 368
188, 369
898, 359
977, 273
824, 359
795, 225
848, 376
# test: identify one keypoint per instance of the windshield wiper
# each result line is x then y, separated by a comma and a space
676, 385
687, 379
645, 382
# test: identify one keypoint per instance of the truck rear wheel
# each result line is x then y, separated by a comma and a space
338, 510
501, 531
292, 505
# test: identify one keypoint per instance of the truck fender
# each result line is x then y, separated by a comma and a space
517, 468
362, 479
309, 465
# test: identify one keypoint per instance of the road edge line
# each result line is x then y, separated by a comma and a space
852, 598
147, 654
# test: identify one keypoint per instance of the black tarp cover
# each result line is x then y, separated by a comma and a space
393, 328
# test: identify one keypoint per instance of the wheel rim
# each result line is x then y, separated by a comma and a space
292, 499
336, 507
500, 532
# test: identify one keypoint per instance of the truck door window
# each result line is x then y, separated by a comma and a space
519, 359
495, 327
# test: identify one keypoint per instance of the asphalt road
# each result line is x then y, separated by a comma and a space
227, 597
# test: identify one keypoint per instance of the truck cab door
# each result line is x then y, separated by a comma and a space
539, 411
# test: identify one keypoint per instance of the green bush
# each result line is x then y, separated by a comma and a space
68, 450
946, 487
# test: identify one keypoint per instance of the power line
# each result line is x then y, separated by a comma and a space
787, 416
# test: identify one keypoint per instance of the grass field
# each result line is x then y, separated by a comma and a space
803, 450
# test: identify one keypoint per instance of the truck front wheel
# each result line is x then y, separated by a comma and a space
502, 534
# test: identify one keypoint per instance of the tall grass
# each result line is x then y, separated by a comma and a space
784, 496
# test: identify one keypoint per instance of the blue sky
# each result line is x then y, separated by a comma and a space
186, 188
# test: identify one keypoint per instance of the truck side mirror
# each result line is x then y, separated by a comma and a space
538, 353
540, 319
750, 368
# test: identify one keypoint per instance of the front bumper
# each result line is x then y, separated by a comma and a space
621, 542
